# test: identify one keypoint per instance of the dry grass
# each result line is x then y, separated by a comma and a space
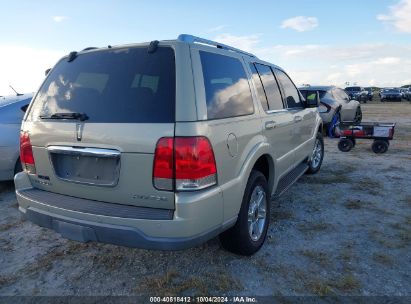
320, 288
45, 262
318, 257
8, 226
333, 178
172, 283
7, 279
353, 204
314, 227
393, 168
398, 240
281, 215
383, 259
368, 185
347, 283
112, 261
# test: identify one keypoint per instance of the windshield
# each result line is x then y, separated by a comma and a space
306, 93
392, 91
127, 85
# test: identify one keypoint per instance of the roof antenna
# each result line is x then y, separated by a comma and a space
153, 46
17, 93
71, 56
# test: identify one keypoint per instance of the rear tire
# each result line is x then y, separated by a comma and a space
345, 144
249, 232
380, 146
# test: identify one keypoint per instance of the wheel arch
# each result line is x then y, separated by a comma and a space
265, 165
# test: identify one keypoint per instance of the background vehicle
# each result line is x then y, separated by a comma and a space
390, 94
370, 93
403, 92
357, 93
11, 114
408, 94
138, 157
334, 103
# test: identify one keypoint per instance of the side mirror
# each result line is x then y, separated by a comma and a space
313, 100
46, 72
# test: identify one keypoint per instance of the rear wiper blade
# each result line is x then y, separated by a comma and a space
69, 115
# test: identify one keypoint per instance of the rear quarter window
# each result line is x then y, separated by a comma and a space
226, 86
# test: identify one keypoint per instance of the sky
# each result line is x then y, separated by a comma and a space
365, 42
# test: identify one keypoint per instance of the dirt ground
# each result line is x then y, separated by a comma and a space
344, 231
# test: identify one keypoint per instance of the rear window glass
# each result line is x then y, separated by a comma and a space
226, 86
127, 85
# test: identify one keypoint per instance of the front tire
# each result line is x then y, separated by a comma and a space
249, 232
317, 156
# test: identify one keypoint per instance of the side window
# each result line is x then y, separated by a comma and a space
292, 96
259, 86
226, 85
271, 88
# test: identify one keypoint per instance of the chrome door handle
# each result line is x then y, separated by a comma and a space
270, 125
298, 118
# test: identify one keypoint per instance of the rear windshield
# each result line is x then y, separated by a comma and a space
127, 85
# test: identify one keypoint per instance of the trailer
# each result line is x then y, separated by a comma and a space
381, 133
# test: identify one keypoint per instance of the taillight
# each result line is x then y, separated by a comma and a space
189, 161
163, 164
26, 153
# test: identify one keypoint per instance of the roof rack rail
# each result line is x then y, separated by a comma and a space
193, 39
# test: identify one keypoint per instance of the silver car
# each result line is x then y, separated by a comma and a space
11, 114
335, 104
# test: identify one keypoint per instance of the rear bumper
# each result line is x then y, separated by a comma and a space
190, 225
85, 231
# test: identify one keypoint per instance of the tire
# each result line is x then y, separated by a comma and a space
345, 144
18, 168
317, 156
240, 239
358, 115
335, 120
379, 146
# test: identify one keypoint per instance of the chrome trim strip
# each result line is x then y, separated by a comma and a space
84, 151
276, 111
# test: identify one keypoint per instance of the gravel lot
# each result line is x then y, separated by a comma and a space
344, 231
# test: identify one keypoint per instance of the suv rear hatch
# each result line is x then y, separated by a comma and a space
95, 122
